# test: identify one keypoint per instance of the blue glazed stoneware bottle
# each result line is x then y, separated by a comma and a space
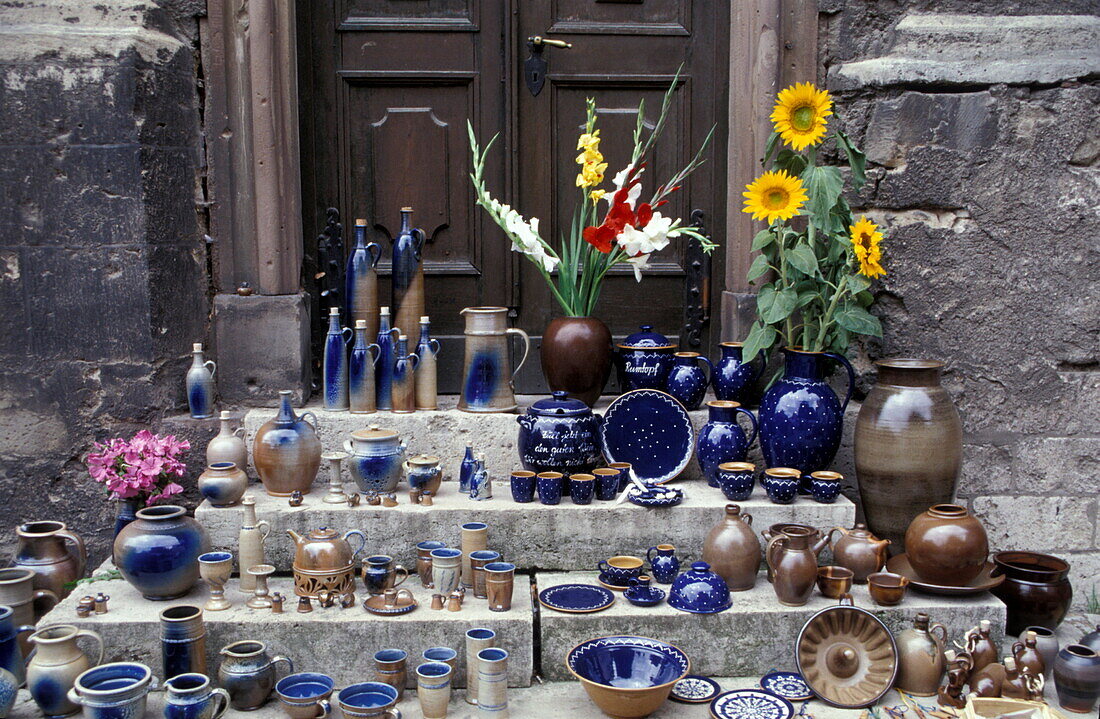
427, 349
402, 388
361, 281
361, 369
481, 484
407, 282
335, 367
663, 563
644, 359
800, 416
731, 375
200, 384
721, 439
383, 366
158, 553
466, 470
687, 381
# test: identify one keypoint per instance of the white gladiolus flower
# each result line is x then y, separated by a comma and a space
638, 264
653, 237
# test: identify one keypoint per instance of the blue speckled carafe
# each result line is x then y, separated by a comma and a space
800, 416
486, 371
721, 439
361, 370
361, 281
732, 377
383, 366
334, 384
200, 384
687, 381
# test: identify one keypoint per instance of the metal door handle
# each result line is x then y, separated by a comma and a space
540, 40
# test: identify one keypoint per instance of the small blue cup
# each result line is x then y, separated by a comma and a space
737, 479
581, 488
550, 487
442, 655
783, 484
523, 486
607, 483
825, 486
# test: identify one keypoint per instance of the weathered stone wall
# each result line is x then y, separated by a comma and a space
102, 263
981, 132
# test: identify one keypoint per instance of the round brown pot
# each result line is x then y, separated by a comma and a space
1036, 589
908, 445
946, 545
576, 356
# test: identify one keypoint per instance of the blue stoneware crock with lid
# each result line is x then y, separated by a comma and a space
377, 459
559, 434
11, 657
732, 376
190, 696
158, 553
699, 591
687, 381
113, 691
644, 360
721, 439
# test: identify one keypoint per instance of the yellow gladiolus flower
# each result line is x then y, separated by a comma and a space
866, 243
774, 196
590, 160
799, 114
597, 195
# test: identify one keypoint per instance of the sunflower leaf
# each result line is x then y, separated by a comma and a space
769, 148
856, 159
856, 319
776, 306
763, 239
858, 283
823, 188
761, 337
790, 161
758, 268
803, 259
805, 298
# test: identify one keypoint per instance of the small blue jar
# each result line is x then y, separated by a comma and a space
737, 480
687, 381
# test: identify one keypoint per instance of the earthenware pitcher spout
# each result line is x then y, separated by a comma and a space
487, 385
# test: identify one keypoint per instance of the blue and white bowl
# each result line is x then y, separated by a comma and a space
699, 591
627, 676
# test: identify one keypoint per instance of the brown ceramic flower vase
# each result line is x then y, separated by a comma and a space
576, 357
859, 550
793, 562
921, 662
946, 545
732, 549
1036, 589
908, 445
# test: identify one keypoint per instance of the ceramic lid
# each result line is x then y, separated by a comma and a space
646, 338
691, 586
559, 405
374, 433
424, 460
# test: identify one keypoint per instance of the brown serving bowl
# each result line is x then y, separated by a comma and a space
887, 588
834, 582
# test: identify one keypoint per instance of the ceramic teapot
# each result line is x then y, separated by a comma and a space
324, 561
559, 434
859, 550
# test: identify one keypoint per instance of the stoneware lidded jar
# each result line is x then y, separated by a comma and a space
733, 550
946, 545
377, 458
699, 591
559, 434
645, 359
158, 553
287, 451
324, 561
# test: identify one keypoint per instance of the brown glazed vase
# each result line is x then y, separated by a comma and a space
287, 450
921, 662
576, 356
1036, 589
908, 445
42, 550
793, 562
732, 549
947, 545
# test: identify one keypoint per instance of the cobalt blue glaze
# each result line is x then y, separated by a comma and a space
577, 597
361, 262
782, 490
581, 490
559, 434
407, 247
523, 487
800, 416
125, 514
737, 482
664, 565
466, 470
11, 657
361, 370
641, 594
699, 591
9, 688
607, 485
50, 696
383, 373
113, 691
481, 487
550, 489
334, 384
190, 696
482, 380
687, 381
627, 662
404, 366
200, 385
721, 439
825, 489
158, 552
182, 641
732, 376
367, 695
644, 360
651, 431
377, 473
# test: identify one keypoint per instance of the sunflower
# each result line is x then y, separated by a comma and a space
866, 242
774, 196
799, 114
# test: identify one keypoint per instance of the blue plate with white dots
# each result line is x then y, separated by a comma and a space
652, 431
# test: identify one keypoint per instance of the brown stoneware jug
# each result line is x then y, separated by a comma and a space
921, 662
818, 540
858, 550
1027, 655
793, 562
946, 545
287, 451
42, 550
981, 646
908, 445
732, 549
324, 562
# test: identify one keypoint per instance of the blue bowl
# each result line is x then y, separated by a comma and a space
627, 676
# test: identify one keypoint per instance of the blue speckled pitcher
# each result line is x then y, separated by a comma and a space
486, 377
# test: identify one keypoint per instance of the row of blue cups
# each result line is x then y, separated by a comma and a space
603, 484
737, 480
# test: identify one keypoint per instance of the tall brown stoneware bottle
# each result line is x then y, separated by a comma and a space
908, 446
407, 281
732, 549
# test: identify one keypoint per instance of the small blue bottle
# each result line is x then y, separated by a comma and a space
383, 375
200, 384
335, 369
466, 470
481, 485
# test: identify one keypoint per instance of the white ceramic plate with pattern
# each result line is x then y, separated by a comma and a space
694, 689
750, 704
789, 685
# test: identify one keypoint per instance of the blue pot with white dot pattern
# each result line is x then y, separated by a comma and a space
721, 439
800, 416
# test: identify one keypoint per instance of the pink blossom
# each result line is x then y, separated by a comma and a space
138, 467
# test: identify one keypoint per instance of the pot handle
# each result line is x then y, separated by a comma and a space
829, 536
404, 575
372, 248
710, 372
98, 640
943, 630
746, 518
350, 334
361, 536
213, 367
40, 594
374, 355
285, 660
851, 376
264, 527
73, 697
312, 418
415, 359
755, 426
222, 699
526, 347
649, 554
82, 553
773, 543
434, 346
326, 709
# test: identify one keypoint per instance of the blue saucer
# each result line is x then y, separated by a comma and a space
644, 596
576, 598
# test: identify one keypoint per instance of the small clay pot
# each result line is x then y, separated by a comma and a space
887, 589
834, 582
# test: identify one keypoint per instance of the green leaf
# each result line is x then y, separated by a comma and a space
776, 306
790, 161
858, 283
856, 319
769, 148
803, 259
763, 239
805, 298
761, 337
856, 159
823, 187
758, 268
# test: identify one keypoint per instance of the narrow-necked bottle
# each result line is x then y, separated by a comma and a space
427, 395
383, 372
361, 281
361, 369
200, 384
250, 543
407, 281
228, 445
466, 470
404, 371
335, 370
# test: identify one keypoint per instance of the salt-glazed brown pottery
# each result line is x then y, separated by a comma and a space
1036, 589
732, 549
324, 561
576, 356
42, 550
793, 562
908, 445
847, 656
834, 582
921, 662
858, 550
887, 588
981, 646
817, 540
1047, 644
1027, 655
1077, 678
287, 450
947, 545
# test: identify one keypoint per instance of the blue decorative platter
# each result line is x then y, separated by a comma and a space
652, 431
750, 704
652, 596
576, 598
656, 496
789, 685
694, 689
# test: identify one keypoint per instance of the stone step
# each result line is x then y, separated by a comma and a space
533, 536
756, 635
338, 642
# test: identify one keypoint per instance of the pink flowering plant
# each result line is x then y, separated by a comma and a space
141, 468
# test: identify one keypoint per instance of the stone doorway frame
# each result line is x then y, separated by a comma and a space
249, 73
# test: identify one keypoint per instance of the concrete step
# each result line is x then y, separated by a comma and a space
753, 637
559, 537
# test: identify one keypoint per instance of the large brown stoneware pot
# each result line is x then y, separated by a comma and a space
946, 545
908, 445
43, 549
576, 357
1036, 590
732, 549
287, 450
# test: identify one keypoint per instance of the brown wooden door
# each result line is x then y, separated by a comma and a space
387, 85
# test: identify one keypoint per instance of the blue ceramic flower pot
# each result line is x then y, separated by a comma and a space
687, 381
800, 416
158, 553
700, 591
732, 377
721, 439
737, 480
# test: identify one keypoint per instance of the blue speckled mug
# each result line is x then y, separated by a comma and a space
550, 485
737, 480
783, 483
825, 486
